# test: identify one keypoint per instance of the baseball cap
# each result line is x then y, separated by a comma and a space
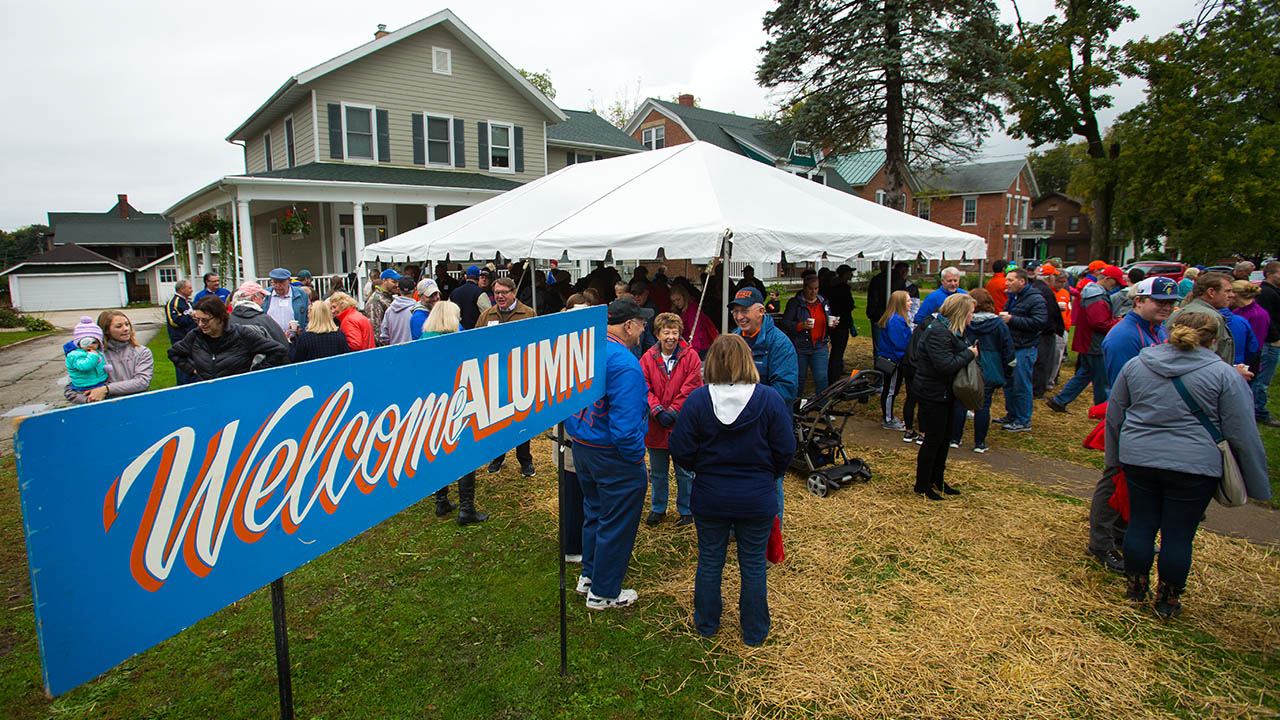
1114, 273
304, 274
1157, 288
746, 297
1097, 265
389, 274
427, 288
473, 271
1048, 269
624, 309
279, 274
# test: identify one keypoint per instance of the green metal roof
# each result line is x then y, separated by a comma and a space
591, 129
109, 228
858, 168
340, 172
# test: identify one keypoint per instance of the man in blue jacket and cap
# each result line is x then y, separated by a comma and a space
608, 451
287, 303
772, 350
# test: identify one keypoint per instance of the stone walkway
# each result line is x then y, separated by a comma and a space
1255, 522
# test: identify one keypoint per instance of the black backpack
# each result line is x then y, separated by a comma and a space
912, 356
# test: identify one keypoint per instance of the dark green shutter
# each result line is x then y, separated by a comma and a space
384, 136
569, 158
519, 148
288, 142
482, 131
419, 140
459, 142
335, 131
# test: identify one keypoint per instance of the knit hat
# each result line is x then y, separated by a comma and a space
86, 330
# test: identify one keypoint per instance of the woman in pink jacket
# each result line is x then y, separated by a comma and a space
682, 303
672, 370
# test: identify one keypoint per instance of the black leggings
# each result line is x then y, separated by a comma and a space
937, 421
892, 384
908, 404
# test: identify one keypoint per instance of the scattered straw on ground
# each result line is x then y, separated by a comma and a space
982, 606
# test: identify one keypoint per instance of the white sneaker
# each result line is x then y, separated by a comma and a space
573, 559
584, 585
625, 598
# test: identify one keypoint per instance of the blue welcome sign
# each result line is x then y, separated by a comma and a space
183, 501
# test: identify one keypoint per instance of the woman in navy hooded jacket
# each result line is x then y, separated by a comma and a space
735, 434
995, 356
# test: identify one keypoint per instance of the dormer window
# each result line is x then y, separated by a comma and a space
441, 61
654, 138
800, 148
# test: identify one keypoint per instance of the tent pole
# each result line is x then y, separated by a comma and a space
888, 284
724, 295
531, 270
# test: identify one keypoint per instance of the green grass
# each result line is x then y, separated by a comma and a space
1271, 441
9, 338
163, 375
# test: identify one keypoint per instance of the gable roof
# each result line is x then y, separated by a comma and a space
586, 129
755, 138
156, 262
108, 228
293, 92
857, 168
69, 254
1055, 194
342, 172
979, 178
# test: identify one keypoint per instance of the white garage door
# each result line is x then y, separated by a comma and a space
67, 292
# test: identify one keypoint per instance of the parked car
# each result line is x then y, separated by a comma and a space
1228, 269
1075, 272
1160, 268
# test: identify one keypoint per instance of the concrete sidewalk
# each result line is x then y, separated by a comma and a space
1255, 522
138, 316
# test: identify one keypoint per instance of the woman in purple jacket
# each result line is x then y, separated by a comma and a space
736, 436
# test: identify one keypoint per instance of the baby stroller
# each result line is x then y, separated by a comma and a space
820, 423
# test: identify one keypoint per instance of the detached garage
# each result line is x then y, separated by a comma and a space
68, 277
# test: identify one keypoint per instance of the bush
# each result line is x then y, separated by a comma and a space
969, 281
9, 318
35, 324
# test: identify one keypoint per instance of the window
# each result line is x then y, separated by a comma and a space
970, 211
654, 138
168, 275
441, 61
1044, 223
142, 279
575, 158
819, 177
357, 132
1008, 209
1026, 210
439, 140
880, 196
923, 209
1070, 254
500, 147
266, 149
290, 154
1073, 225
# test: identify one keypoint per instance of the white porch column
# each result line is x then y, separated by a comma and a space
357, 227
206, 255
193, 261
431, 214
246, 240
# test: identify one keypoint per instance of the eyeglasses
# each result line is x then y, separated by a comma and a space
202, 320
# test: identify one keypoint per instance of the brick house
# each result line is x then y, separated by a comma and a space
1066, 228
992, 200
864, 173
400, 131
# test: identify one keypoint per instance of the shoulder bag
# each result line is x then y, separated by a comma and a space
1231, 490
968, 386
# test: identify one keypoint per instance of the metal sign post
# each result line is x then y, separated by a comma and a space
283, 675
564, 533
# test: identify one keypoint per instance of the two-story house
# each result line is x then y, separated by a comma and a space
991, 199
1066, 228
401, 131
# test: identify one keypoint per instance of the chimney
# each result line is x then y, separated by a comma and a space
686, 100
382, 30
122, 203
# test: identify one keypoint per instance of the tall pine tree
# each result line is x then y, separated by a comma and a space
921, 75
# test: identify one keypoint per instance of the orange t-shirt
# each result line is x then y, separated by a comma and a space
819, 316
1064, 296
996, 287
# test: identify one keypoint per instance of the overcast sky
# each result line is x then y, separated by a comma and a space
136, 96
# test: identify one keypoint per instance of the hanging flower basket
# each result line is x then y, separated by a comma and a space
294, 223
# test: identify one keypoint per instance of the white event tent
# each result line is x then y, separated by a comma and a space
683, 201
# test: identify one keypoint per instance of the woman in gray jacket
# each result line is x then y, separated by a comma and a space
1170, 460
129, 364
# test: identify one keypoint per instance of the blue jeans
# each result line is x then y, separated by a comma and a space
612, 497
1090, 370
1262, 381
659, 458
181, 378
1173, 503
875, 338
1017, 395
981, 418
816, 360
752, 536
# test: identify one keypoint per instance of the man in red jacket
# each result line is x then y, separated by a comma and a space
1092, 320
672, 370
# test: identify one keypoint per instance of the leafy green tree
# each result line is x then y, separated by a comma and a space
921, 74
1053, 167
1062, 68
21, 244
1202, 153
542, 81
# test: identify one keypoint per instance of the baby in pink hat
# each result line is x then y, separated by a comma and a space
86, 366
